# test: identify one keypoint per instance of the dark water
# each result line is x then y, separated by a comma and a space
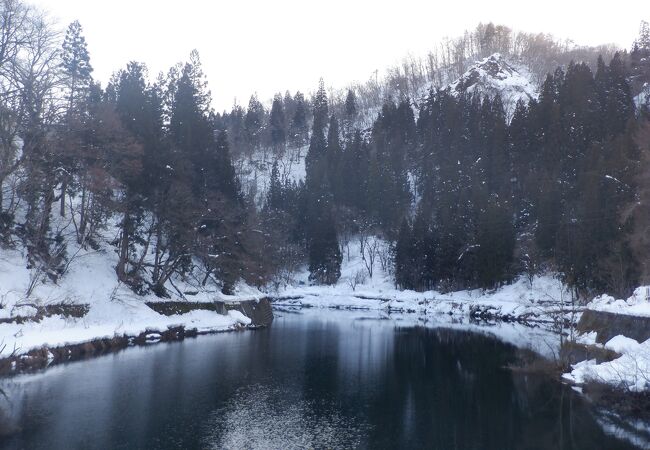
307, 382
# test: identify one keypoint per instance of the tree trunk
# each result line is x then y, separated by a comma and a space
124, 250
64, 187
82, 217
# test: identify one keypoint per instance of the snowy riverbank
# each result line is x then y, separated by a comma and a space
543, 301
630, 371
89, 304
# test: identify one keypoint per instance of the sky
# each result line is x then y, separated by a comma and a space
269, 46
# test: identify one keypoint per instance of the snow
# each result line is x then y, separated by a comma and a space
114, 310
544, 301
643, 98
254, 171
631, 370
621, 344
638, 304
494, 75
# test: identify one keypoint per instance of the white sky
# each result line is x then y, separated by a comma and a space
269, 46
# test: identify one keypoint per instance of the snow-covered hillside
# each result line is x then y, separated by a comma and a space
88, 302
494, 75
254, 171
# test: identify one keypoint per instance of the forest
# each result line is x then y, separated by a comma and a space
467, 193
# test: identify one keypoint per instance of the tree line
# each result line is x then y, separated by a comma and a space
143, 158
471, 199
467, 197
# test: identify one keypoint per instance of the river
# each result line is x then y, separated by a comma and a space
316, 379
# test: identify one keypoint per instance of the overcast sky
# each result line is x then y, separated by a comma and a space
268, 46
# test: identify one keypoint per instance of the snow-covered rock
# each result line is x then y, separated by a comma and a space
638, 304
494, 75
643, 98
630, 371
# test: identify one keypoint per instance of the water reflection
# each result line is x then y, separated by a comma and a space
320, 380
263, 417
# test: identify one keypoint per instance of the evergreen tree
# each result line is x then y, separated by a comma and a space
403, 257
299, 128
495, 246
350, 114
77, 79
254, 123
619, 106
76, 68
320, 107
333, 156
274, 196
324, 253
277, 124
354, 173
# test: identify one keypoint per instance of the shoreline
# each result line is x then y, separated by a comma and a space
176, 321
45, 357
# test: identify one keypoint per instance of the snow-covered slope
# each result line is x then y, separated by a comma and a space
254, 171
36, 312
488, 77
643, 98
494, 75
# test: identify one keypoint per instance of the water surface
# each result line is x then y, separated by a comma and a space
315, 380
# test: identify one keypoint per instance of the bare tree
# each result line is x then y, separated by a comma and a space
369, 248
358, 278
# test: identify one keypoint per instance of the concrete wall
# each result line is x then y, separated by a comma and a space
607, 325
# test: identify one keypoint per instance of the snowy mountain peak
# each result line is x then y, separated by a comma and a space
494, 75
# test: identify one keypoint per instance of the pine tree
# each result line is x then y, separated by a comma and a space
324, 253
224, 171
643, 41
274, 196
619, 106
299, 128
521, 149
131, 100
75, 64
333, 155
350, 114
496, 243
320, 107
277, 124
254, 123
76, 70
403, 257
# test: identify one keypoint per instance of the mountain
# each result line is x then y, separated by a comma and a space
494, 75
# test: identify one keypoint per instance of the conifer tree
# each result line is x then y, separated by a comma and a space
403, 258
254, 123
333, 155
350, 114
277, 125
76, 71
324, 252
320, 107
299, 128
